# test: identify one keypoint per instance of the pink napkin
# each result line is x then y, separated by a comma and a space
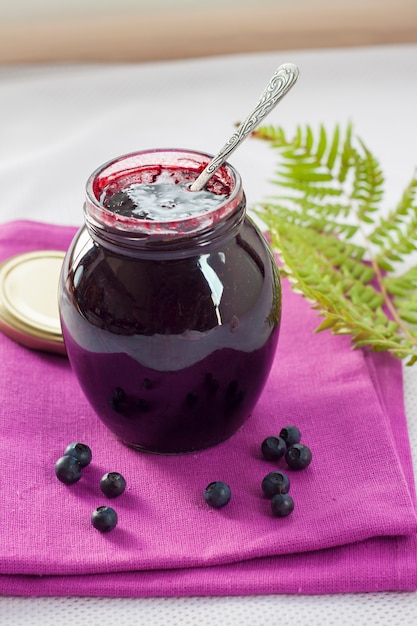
353, 528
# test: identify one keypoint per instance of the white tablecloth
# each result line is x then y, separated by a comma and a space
58, 123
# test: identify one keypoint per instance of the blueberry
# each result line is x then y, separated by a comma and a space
80, 451
290, 435
275, 482
298, 456
273, 448
282, 505
119, 401
112, 484
104, 519
68, 469
217, 494
119, 394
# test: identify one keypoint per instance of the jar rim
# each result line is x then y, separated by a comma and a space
101, 218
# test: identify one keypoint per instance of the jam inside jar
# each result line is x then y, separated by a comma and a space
170, 309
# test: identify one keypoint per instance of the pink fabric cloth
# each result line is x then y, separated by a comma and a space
353, 528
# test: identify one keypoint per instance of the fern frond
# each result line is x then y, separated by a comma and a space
367, 185
274, 134
336, 246
395, 234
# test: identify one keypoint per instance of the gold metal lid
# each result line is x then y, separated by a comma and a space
29, 311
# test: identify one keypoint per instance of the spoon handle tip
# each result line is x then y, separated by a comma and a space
279, 85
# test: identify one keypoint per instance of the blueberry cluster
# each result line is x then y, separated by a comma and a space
276, 485
288, 445
68, 467
68, 470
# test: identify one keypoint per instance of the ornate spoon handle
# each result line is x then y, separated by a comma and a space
279, 85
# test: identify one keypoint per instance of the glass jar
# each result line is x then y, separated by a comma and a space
170, 325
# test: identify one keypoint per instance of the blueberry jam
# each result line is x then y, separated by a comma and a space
170, 325
161, 199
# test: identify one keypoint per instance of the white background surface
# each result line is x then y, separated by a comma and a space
58, 123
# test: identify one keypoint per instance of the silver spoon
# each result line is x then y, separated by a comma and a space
279, 85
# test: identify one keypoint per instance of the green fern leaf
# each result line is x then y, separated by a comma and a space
395, 233
331, 159
322, 144
337, 247
346, 156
